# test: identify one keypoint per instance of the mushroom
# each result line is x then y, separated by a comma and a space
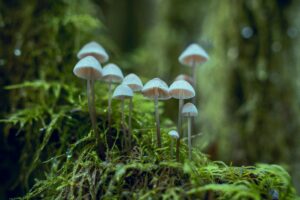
174, 135
156, 89
180, 90
90, 69
185, 78
123, 92
111, 74
135, 83
192, 56
189, 110
190, 81
93, 49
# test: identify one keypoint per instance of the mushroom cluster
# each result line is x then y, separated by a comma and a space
92, 55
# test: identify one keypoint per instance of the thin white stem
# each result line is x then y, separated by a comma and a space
130, 119
179, 129
123, 123
91, 106
190, 137
123, 114
194, 68
157, 123
109, 103
194, 100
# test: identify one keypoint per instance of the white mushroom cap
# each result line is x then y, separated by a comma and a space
173, 134
189, 110
122, 92
193, 53
156, 88
112, 73
88, 68
134, 82
184, 77
181, 90
93, 49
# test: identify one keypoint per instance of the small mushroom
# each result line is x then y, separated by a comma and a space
189, 110
135, 83
193, 55
123, 92
93, 49
156, 89
180, 90
174, 135
185, 78
111, 74
90, 69
190, 81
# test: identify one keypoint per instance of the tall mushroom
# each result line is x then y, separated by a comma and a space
174, 135
111, 74
123, 92
181, 90
135, 83
156, 89
193, 55
185, 78
90, 69
190, 81
93, 49
189, 110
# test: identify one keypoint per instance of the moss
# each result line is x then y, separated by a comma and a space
67, 164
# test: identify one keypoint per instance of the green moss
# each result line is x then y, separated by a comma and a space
68, 165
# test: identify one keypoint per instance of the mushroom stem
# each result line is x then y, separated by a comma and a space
109, 103
179, 129
157, 123
91, 105
195, 87
190, 137
123, 123
194, 68
129, 122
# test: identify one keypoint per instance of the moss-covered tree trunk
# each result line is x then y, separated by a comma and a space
254, 81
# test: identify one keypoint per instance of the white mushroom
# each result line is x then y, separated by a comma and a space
111, 74
185, 78
174, 135
135, 83
156, 89
90, 69
123, 92
93, 49
189, 110
180, 90
192, 56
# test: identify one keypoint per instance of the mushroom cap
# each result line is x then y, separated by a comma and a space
122, 92
133, 81
93, 49
181, 89
88, 68
174, 134
112, 73
156, 88
185, 77
193, 53
189, 110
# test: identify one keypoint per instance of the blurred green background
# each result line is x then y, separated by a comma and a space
248, 93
